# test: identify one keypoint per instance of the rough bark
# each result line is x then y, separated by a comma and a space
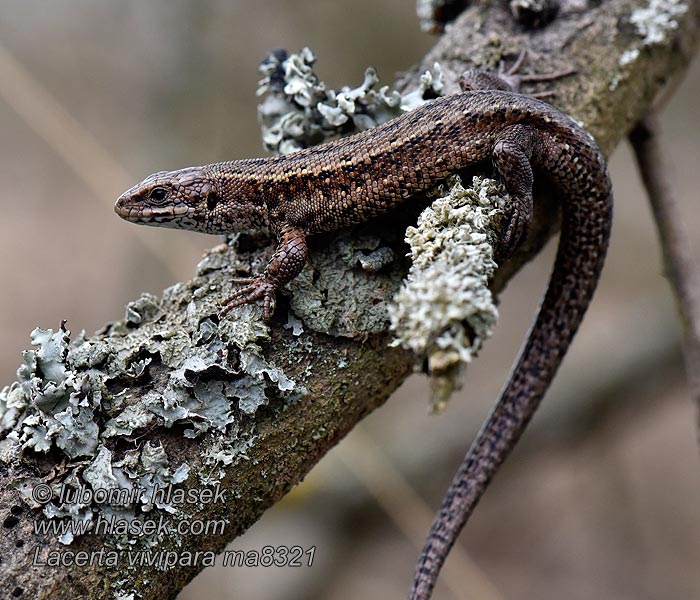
338, 379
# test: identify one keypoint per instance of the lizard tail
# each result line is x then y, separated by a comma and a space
582, 247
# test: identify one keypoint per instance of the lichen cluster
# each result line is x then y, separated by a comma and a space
298, 110
445, 310
80, 400
658, 18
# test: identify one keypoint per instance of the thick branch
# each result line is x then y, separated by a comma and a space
262, 409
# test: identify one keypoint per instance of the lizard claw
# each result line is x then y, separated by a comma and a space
246, 280
256, 288
510, 76
285, 265
515, 233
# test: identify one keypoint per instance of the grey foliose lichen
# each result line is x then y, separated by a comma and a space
347, 289
84, 400
49, 404
298, 110
444, 311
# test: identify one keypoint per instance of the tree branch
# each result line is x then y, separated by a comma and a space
171, 396
675, 245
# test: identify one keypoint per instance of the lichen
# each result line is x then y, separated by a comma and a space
652, 23
628, 56
345, 289
298, 110
444, 311
655, 20
47, 405
209, 380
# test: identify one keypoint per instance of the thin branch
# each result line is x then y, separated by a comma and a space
680, 265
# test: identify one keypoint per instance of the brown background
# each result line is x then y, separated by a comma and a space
602, 499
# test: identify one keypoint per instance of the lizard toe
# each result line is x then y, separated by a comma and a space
258, 287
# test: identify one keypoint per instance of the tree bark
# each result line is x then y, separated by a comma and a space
304, 392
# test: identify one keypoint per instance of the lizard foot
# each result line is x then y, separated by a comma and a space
256, 288
515, 81
508, 79
515, 232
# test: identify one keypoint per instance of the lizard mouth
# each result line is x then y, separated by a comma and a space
125, 208
142, 214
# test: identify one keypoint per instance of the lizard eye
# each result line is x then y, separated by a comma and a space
157, 195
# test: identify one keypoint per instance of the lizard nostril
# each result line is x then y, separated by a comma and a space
121, 206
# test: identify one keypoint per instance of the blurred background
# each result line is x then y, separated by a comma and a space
602, 498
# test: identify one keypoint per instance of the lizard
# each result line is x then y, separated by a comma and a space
349, 180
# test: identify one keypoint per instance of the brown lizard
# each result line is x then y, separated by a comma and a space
352, 179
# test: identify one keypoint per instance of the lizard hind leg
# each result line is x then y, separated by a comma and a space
511, 158
473, 80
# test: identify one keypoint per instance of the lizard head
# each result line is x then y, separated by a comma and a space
184, 199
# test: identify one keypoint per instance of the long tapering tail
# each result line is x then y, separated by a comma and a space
582, 247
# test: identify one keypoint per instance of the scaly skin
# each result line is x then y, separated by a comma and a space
352, 179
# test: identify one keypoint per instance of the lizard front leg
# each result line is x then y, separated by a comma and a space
286, 263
